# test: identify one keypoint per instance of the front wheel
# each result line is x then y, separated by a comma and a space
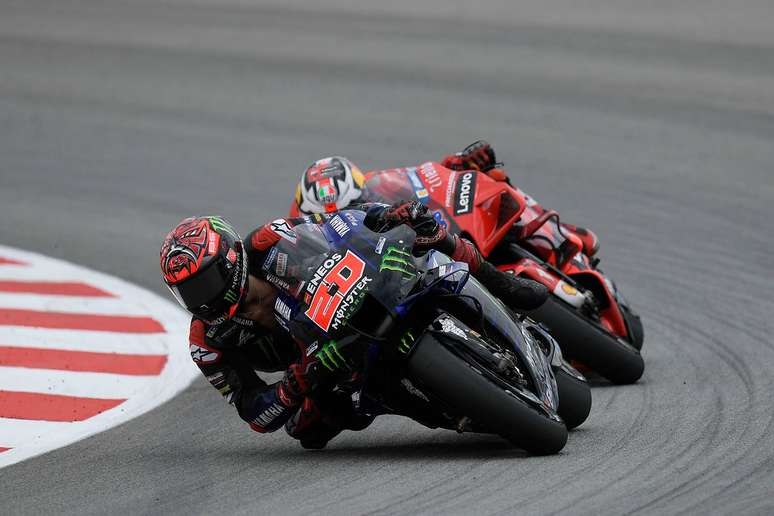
574, 398
613, 358
469, 393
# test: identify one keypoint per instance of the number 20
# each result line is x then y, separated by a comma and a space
343, 275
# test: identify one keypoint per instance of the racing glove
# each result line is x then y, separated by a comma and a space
295, 385
476, 156
430, 234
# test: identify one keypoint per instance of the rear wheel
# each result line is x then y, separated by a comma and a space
467, 392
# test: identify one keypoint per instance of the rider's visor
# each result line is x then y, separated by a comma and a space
204, 289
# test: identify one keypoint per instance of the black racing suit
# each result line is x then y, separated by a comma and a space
231, 353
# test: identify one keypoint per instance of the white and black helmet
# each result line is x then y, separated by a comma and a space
328, 185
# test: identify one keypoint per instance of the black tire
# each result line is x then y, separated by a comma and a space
574, 398
636, 331
614, 359
449, 378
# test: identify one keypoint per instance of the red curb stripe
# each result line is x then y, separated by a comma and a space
83, 361
3, 449
8, 261
56, 288
72, 321
51, 407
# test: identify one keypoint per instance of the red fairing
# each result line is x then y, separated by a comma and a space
611, 316
467, 202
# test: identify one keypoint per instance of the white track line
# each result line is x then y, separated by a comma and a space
29, 438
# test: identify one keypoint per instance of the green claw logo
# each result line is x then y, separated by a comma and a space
220, 225
397, 259
328, 356
405, 342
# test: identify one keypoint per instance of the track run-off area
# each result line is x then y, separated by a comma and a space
651, 123
80, 352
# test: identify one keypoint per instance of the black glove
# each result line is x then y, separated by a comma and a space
476, 156
416, 215
295, 385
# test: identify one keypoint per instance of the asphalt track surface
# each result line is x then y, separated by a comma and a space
653, 124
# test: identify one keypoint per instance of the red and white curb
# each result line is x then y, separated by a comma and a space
80, 352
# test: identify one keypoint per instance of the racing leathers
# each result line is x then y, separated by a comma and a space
230, 354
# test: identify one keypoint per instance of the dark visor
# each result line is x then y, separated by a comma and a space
204, 288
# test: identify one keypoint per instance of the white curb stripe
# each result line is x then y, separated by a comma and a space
70, 383
15, 433
97, 341
71, 304
27, 437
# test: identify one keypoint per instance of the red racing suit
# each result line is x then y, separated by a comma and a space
583, 239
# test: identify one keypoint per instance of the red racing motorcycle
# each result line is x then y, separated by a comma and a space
586, 313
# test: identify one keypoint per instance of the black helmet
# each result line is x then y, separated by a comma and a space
205, 267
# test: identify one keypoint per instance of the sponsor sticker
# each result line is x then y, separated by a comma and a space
270, 258
380, 245
569, 289
465, 193
450, 190
282, 264
282, 309
339, 226
419, 189
202, 355
278, 282
350, 303
449, 326
283, 229
432, 179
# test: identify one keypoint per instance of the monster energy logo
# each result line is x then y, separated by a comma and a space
405, 342
221, 226
230, 296
329, 356
398, 260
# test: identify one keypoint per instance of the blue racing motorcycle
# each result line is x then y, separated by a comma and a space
420, 337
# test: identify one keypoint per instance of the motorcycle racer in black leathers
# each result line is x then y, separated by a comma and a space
234, 288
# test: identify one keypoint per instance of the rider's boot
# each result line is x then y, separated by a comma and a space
516, 292
319, 421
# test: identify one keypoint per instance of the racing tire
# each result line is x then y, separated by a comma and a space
581, 340
466, 391
574, 398
634, 324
